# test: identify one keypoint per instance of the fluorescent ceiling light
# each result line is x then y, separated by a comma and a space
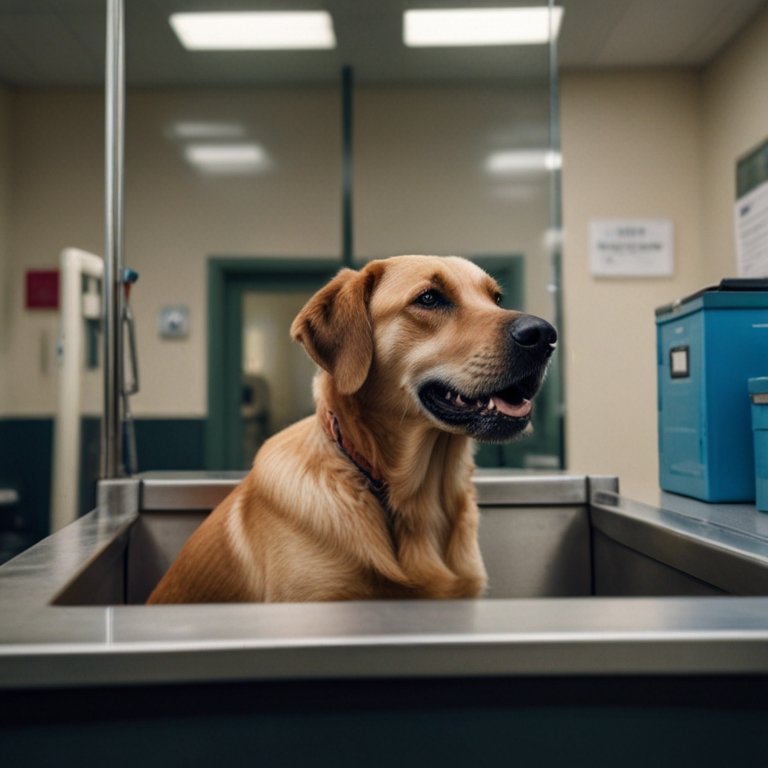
254, 30
480, 26
523, 161
187, 130
227, 158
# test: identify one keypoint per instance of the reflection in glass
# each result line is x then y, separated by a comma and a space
238, 154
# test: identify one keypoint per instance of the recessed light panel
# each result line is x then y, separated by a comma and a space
227, 159
519, 161
190, 129
254, 30
480, 26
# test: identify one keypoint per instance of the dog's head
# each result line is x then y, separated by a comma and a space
424, 336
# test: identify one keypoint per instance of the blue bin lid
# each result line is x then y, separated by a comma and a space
731, 293
758, 386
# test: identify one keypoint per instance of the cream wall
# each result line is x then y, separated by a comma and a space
420, 185
647, 144
175, 218
631, 149
55, 195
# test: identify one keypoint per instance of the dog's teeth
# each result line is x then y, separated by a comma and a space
459, 400
491, 404
448, 396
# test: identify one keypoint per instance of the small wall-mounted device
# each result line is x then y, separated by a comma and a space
173, 322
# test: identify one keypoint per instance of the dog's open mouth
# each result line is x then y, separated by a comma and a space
490, 417
509, 402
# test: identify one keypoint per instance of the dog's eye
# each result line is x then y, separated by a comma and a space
499, 298
430, 300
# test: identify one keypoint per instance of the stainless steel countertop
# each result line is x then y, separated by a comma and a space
44, 645
739, 518
347, 640
724, 544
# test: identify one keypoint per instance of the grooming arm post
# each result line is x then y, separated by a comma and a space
113, 252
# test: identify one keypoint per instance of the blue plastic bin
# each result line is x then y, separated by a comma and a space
758, 393
708, 347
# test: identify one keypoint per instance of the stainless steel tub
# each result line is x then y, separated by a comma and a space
581, 581
535, 536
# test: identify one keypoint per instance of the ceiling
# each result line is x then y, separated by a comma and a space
50, 43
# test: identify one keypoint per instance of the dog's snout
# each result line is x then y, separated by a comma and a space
533, 333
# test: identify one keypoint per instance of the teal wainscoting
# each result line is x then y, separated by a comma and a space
26, 465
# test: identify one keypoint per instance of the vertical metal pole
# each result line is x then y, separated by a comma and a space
111, 442
556, 256
347, 251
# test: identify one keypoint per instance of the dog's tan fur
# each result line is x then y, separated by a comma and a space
304, 525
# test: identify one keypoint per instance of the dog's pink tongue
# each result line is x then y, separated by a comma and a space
516, 411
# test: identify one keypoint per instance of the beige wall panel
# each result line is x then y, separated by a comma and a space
631, 148
175, 217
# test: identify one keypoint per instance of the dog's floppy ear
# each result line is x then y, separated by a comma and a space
335, 329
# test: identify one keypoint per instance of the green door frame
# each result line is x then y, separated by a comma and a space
228, 278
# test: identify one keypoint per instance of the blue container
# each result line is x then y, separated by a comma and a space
708, 346
758, 393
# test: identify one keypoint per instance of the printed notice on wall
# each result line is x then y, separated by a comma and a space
751, 217
750, 214
631, 247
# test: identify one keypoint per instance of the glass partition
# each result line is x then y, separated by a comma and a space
249, 156
51, 200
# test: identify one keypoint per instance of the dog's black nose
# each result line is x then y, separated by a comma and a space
532, 332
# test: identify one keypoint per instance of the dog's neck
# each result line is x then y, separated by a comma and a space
376, 485
330, 422
407, 457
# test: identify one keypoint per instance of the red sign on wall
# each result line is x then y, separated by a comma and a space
42, 289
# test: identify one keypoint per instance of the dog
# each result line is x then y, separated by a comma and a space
372, 497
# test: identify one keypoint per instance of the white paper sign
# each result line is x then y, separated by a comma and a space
751, 217
631, 247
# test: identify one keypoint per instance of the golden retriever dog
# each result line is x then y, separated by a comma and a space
372, 497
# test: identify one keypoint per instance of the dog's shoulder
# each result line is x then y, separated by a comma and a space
294, 469
285, 453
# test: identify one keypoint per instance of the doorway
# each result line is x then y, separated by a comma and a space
258, 380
